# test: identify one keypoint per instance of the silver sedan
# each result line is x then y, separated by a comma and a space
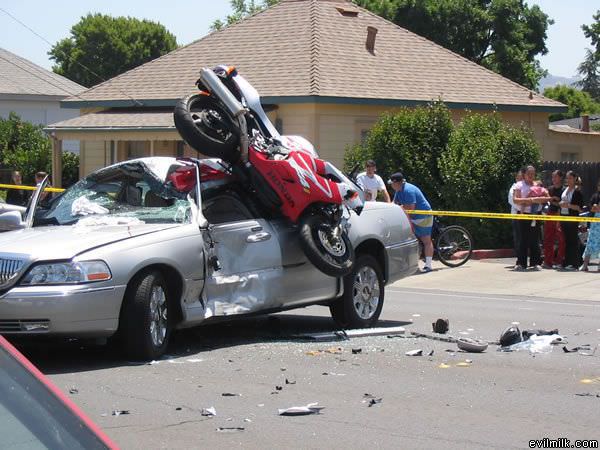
122, 253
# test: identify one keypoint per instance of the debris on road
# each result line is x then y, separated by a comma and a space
332, 350
371, 400
588, 394
120, 412
73, 390
230, 429
536, 344
230, 394
471, 345
510, 336
209, 412
528, 333
444, 366
465, 363
416, 334
278, 388
356, 351
311, 408
430, 353
289, 382
441, 326
417, 352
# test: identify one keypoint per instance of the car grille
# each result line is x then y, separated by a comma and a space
9, 269
31, 325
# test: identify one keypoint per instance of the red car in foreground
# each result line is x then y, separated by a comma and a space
34, 413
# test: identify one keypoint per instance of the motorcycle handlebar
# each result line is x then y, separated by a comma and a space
217, 88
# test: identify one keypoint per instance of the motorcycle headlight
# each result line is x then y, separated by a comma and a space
67, 273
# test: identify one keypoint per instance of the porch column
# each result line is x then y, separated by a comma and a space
56, 162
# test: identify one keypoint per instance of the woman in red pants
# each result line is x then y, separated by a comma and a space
552, 229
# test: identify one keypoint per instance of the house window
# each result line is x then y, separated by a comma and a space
569, 156
138, 149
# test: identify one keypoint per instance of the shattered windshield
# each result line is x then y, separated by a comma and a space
126, 194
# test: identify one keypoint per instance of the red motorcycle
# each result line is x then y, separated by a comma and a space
226, 120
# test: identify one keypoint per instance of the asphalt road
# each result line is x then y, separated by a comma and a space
499, 400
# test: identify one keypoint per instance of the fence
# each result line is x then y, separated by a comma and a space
588, 171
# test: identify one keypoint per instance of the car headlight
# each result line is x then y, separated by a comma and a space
67, 273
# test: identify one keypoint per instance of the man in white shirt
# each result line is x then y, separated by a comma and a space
372, 183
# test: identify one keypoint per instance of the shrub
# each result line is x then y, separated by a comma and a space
478, 169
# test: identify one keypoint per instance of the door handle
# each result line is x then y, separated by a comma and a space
258, 237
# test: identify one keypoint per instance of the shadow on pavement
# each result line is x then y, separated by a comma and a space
56, 356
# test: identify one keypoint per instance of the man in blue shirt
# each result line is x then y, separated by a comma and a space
410, 197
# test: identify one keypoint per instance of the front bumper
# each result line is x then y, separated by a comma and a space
402, 260
77, 311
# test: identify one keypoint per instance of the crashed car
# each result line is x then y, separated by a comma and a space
144, 247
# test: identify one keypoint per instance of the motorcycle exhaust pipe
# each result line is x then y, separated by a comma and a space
217, 88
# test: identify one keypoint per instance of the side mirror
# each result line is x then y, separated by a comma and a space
11, 220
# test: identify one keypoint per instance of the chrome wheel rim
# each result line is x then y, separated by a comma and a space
366, 292
158, 316
334, 245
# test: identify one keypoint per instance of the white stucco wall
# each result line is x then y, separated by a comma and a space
40, 112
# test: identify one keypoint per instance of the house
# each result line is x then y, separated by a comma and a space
34, 93
327, 68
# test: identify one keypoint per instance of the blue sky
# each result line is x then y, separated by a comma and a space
190, 20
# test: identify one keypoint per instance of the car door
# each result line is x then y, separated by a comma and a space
301, 281
243, 258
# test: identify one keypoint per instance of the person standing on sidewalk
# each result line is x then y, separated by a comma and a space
372, 183
529, 229
571, 204
592, 248
514, 210
552, 229
17, 196
410, 197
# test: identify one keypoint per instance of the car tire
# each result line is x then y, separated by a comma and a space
362, 301
145, 324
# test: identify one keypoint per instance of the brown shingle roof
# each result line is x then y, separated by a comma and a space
309, 49
119, 119
19, 76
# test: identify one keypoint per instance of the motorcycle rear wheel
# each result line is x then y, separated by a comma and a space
334, 256
207, 127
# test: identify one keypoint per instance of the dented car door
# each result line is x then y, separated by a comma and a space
244, 259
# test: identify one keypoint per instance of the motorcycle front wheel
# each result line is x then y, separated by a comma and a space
330, 253
207, 127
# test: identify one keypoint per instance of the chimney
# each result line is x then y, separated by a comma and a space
371, 34
585, 123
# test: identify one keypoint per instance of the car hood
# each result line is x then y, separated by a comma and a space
65, 242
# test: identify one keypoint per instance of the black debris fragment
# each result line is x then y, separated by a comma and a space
73, 391
588, 394
356, 351
179, 408
441, 326
289, 382
120, 412
430, 353
230, 429
230, 394
528, 333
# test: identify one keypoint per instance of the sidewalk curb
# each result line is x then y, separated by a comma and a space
489, 253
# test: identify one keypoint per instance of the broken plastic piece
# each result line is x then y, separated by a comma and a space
120, 412
311, 408
230, 429
441, 326
374, 401
471, 345
527, 333
289, 382
278, 388
209, 412
355, 351
73, 390
230, 394
417, 352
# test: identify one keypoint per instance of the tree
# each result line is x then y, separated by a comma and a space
579, 102
593, 32
410, 140
502, 35
242, 9
26, 148
101, 47
589, 69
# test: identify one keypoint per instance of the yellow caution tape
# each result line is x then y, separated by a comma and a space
481, 215
29, 188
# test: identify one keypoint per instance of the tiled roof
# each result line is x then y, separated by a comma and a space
19, 76
119, 119
315, 49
